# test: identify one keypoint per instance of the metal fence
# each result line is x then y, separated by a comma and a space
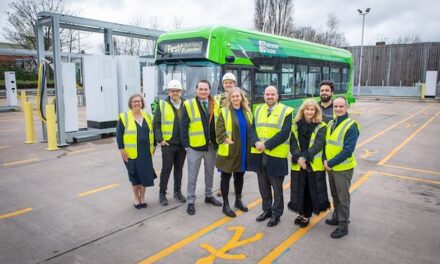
396, 64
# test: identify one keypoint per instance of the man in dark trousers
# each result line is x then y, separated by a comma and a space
326, 89
198, 138
339, 162
166, 125
270, 135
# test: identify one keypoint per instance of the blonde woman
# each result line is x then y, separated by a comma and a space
232, 129
308, 190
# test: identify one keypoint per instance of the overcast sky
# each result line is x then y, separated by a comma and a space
388, 19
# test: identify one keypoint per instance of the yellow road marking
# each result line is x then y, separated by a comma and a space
11, 119
391, 127
2, 147
80, 151
10, 130
368, 153
189, 239
12, 214
412, 169
374, 109
406, 177
281, 248
19, 162
408, 139
108, 187
234, 242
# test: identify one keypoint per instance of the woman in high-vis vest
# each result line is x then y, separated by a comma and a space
135, 138
232, 130
308, 189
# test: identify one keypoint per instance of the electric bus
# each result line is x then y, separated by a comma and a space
257, 60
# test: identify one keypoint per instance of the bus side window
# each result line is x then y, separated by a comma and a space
300, 81
335, 77
246, 80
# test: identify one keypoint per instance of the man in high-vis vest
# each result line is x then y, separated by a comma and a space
339, 162
198, 138
167, 133
326, 89
228, 82
270, 135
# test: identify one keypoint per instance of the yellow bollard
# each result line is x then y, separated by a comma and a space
23, 99
51, 127
29, 122
422, 91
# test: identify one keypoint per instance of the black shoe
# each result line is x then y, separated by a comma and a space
179, 197
228, 211
191, 210
332, 221
213, 201
163, 199
240, 206
304, 222
339, 232
144, 205
298, 220
274, 220
137, 206
263, 216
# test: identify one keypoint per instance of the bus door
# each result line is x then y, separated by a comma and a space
264, 77
244, 77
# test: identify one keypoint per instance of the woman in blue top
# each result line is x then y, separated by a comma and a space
232, 129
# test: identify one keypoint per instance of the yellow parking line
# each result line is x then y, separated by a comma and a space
80, 151
2, 147
391, 127
281, 248
408, 139
412, 169
12, 214
10, 119
406, 177
10, 130
182, 243
19, 162
108, 187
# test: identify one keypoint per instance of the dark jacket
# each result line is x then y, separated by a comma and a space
157, 121
208, 126
327, 112
232, 163
276, 167
349, 142
306, 180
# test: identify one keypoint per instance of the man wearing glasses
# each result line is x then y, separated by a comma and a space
166, 125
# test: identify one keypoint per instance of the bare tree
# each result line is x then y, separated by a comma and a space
274, 16
21, 19
407, 39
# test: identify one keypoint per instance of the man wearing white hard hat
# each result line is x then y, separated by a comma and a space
166, 125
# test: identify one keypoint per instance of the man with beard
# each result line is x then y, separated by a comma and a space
326, 89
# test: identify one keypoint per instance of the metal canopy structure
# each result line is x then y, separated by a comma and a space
58, 21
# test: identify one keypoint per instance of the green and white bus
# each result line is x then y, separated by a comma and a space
257, 59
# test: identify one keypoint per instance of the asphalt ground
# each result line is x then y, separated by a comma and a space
74, 205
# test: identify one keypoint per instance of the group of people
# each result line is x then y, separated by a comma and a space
223, 132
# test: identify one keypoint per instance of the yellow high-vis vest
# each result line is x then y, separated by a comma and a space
335, 144
267, 127
130, 133
223, 149
317, 163
167, 119
196, 132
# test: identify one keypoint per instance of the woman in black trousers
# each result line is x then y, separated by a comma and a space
232, 128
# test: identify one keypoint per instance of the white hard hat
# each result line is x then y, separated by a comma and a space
229, 76
174, 84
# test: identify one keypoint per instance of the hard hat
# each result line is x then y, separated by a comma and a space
174, 84
229, 76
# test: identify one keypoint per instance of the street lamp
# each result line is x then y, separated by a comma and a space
362, 13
